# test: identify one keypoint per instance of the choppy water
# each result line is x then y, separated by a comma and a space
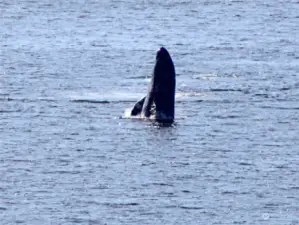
69, 69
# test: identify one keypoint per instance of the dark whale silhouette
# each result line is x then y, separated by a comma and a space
159, 101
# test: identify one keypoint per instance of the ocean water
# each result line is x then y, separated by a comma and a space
70, 69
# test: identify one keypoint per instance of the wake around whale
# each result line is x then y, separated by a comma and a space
159, 102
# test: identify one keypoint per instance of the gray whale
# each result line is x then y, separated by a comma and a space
160, 99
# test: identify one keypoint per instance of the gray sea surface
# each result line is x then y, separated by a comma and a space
70, 69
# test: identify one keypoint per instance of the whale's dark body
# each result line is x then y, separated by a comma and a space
159, 101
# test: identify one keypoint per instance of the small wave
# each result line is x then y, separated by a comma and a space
95, 43
225, 90
121, 205
285, 88
9, 111
161, 184
146, 78
226, 116
61, 172
279, 107
9, 99
191, 207
90, 101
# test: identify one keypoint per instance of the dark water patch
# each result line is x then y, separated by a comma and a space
161, 184
63, 161
279, 107
191, 207
179, 164
147, 163
98, 44
283, 166
294, 187
264, 95
29, 100
8, 99
245, 164
273, 145
76, 220
274, 205
220, 150
198, 100
121, 205
228, 192
148, 214
100, 187
227, 117
22, 160
62, 172
240, 222
10, 111
91, 101
47, 100
225, 90
138, 77
167, 194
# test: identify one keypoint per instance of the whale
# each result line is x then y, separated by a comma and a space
159, 102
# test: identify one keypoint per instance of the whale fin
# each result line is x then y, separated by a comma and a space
138, 107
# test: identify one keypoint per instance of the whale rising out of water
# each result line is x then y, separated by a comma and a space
158, 104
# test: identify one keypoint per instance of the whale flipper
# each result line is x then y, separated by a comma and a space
138, 107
